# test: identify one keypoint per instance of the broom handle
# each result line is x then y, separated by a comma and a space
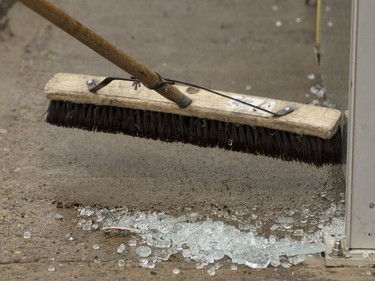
107, 50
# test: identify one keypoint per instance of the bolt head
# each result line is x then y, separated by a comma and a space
337, 250
90, 82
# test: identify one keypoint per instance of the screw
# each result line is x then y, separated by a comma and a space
337, 250
371, 205
90, 82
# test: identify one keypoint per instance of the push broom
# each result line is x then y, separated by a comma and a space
186, 113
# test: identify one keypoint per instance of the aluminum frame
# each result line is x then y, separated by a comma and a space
360, 172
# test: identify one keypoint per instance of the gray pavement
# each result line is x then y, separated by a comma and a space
225, 45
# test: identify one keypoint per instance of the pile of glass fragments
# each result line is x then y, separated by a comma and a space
207, 241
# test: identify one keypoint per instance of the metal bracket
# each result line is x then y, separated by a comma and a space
335, 256
284, 111
94, 87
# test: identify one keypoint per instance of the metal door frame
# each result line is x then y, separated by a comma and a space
359, 243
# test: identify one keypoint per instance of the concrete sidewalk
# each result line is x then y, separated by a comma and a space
225, 45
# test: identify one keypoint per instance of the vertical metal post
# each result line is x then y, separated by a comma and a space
360, 217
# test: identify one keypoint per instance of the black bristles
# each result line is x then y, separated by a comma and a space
202, 132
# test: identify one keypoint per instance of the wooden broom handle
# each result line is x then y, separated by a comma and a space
104, 48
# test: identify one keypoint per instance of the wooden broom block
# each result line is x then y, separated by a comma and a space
305, 119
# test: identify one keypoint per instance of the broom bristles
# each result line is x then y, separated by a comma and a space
201, 132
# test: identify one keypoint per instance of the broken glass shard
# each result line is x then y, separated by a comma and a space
120, 248
274, 227
199, 265
176, 271
272, 239
275, 261
311, 76
59, 217
207, 241
217, 266
143, 263
258, 224
243, 226
297, 259
108, 222
81, 222
86, 212
252, 228
151, 264
51, 268
160, 243
211, 271
285, 220
285, 264
87, 225
162, 255
143, 251
69, 237
298, 232
132, 243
